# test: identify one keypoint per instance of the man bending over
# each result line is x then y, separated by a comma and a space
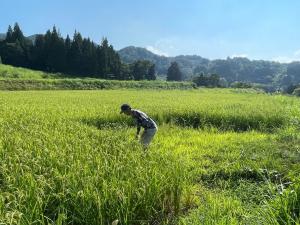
142, 120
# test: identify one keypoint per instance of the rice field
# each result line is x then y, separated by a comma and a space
221, 156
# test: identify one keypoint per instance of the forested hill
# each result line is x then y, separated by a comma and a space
187, 63
232, 69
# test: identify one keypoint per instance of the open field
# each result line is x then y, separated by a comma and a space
220, 157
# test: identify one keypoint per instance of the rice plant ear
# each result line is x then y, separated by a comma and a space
115, 222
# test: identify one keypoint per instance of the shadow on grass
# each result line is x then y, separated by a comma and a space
197, 121
250, 186
238, 123
251, 175
108, 123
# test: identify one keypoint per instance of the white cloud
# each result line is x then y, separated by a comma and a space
239, 56
283, 59
297, 53
164, 46
156, 50
287, 59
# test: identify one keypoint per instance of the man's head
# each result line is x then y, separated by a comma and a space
126, 109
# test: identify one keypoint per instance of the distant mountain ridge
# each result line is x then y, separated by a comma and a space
232, 69
187, 63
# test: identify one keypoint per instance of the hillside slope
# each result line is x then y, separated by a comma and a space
233, 69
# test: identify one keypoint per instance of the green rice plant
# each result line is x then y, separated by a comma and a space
69, 157
284, 209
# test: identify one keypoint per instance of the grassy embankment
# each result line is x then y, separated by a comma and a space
14, 78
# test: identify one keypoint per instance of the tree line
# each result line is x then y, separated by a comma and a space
278, 75
78, 56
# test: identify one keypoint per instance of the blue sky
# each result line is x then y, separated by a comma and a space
257, 29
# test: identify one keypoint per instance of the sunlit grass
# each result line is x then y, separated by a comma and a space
220, 157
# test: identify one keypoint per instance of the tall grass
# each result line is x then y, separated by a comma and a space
69, 157
284, 209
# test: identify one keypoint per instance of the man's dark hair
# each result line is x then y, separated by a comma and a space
125, 107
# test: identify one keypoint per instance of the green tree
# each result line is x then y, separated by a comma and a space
125, 73
238, 84
15, 48
75, 54
14, 54
9, 35
151, 72
89, 58
200, 80
115, 63
214, 80
103, 58
17, 34
55, 51
141, 70
38, 53
109, 62
174, 73
67, 44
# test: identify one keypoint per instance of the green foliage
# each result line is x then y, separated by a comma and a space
241, 85
15, 49
109, 62
87, 84
14, 78
151, 73
293, 73
174, 73
232, 69
54, 52
9, 35
284, 209
212, 80
143, 69
126, 72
